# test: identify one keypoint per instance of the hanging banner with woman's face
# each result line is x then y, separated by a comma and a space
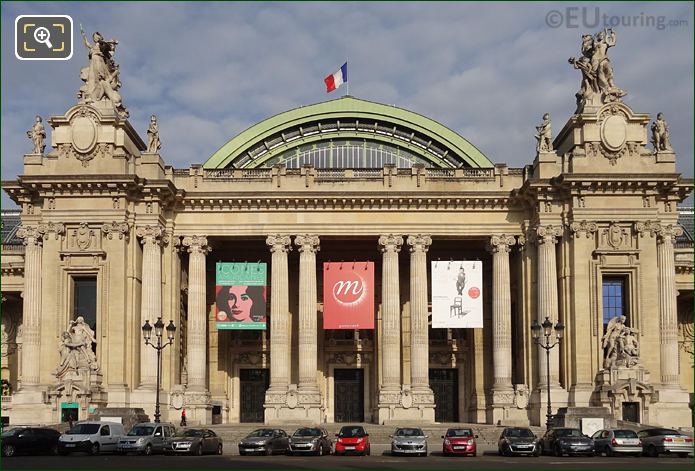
240, 295
457, 294
348, 295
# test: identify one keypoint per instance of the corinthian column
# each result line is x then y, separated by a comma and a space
279, 313
197, 314
390, 313
31, 322
546, 238
152, 238
501, 312
419, 344
308, 246
668, 316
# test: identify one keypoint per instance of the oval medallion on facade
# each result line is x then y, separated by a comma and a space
84, 134
614, 132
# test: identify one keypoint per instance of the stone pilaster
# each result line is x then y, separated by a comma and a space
501, 313
277, 396
423, 397
546, 238
668, 315
152, 239
309, 396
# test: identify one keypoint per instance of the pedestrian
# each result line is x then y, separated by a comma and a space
70, 419
183, 418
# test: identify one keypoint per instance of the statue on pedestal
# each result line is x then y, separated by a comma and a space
544, 135
37, 134
597, 86
661, 134
620, 344
153, 142
76, 349
101, 76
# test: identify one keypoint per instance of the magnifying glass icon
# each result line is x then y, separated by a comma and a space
43, 36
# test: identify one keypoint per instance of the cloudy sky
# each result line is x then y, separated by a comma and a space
488, 71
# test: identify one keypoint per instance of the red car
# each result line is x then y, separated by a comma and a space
352, 439
459, 441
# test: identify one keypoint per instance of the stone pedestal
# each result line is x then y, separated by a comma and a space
620, 384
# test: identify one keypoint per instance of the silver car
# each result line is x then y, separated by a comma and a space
612, 442
147, 438
409, 441
665, 440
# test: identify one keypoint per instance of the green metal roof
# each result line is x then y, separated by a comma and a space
349, 108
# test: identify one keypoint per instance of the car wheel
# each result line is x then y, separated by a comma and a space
682, 455
9, 450
94, 449
608, 451
242, 453
199, 450
535, 454
651, 451
148, 450
369, 451
54, 449
558, 451
219, 449
320, 450
540, 449
268, 451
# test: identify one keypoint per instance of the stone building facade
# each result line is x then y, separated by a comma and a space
108, 231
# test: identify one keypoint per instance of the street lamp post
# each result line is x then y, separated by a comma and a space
158, 332
541, 337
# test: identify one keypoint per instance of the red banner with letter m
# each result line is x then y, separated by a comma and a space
348, 295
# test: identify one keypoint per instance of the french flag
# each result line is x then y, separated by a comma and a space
335, 80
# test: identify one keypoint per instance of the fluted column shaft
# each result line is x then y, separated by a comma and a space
197, 315
390, 246
547, 297
308, 246
501, 312
419, 336
31, 321
668, 316
151, 238
279, 313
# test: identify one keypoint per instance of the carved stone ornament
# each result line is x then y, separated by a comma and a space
615, 235
583, 228
75, 350
501, 243
82, 236
121, 229
661, 136
406, 398
197, 244
620, 343
279, 242
419, 242
521, 396
547, 234
307, 242
613, 127
390, 243
151, 234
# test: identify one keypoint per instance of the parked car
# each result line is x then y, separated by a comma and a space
352, 439
196, 441
459, 441
665, 440
409, 441
617, 441
92, 437
266, 441
517, 441
310, 440
566, 441
29, 440
147, 438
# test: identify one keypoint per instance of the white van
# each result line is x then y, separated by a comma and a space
91, 436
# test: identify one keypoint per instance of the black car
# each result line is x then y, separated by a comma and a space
566, 441
30, 440
517, 441
312, 440
266, 441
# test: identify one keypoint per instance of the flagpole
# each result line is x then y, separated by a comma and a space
347, 84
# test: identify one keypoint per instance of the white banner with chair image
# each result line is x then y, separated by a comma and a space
457, 294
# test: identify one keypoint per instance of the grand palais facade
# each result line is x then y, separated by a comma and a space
239, 252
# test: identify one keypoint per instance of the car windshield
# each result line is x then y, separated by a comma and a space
351, 432
140, 431
409, 432
519, 433
568, 432
83, 429
307, 432
261, 432
459, 432
625, 434
193, 433
12, 432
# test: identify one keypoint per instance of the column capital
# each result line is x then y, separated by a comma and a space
501, 243
419, 242
307, 242
390, 243
546, 234
279, 243
583, 228
32, 235
668, 234
151, 235
122, 229
196, 244
663, 233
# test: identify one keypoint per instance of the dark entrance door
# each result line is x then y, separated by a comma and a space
444, 384
349, 394
631, 411
253, 384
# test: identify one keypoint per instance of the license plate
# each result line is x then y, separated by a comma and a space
70, 445
349, 447
679, 440
460, 447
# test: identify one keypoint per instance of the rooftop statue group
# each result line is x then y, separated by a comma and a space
620, 344
597, 86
